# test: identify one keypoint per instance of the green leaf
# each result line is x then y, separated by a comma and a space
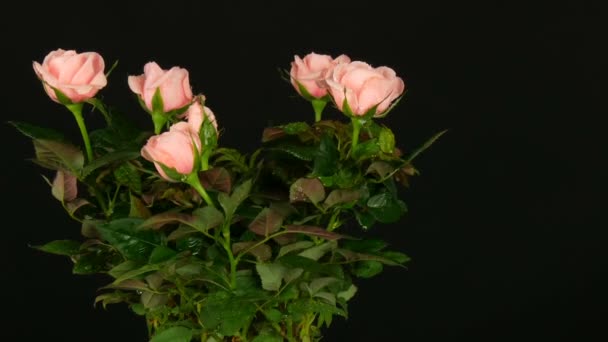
153, 300
389, 211
386, 140
365, 219
135, 273
293, 261
161, 254
157, 102
381, 168
226, 313
206, 218
94, 261
367, 268
262, 252
169, 217
316, 252
273, 315
155, 280
123, 268
327, 157
307, 190
128, 175
129, 284
137, 208
364, 245
426, 145
397, 257
313, 231
58, 155
181, 231
269, 336
341, 196
380, 200
318, 284
351, 256
306, 153
36, 132
132, 243
110, 158
65, 187
232, 202
193, 244
172, 173
347, 294
366, 150
266, 222
327, 296
61, 97
89, 228
217, 179
112, 298
296, 246
173, 334
231, 156
76, 204
271, 275
295, 128
292, 274
305, 306
208, 134
60, 247
138, 309
272, 133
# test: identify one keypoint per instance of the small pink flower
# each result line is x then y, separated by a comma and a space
311, 70
174, 86
364, 87
77, 75
174, 149
196, 114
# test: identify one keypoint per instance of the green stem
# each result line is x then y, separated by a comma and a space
259, 243
356, 131
196, 184
332, 221
76, 109
289, 325
159, 120
318, 106
205, 160
98, 104
233, 261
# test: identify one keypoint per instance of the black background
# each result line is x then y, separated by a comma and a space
505, 230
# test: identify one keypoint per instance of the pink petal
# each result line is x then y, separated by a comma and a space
68, 67
136, 83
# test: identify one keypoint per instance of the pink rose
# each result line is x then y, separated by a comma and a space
196, 114
311, 69
364, 87
174, 149
77, 75
174, 86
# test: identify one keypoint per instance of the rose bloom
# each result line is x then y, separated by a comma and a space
311, 69
364, 86
174, 149
77, 75
196, 114
174, 86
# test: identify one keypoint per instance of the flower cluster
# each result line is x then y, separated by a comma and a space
208, 243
